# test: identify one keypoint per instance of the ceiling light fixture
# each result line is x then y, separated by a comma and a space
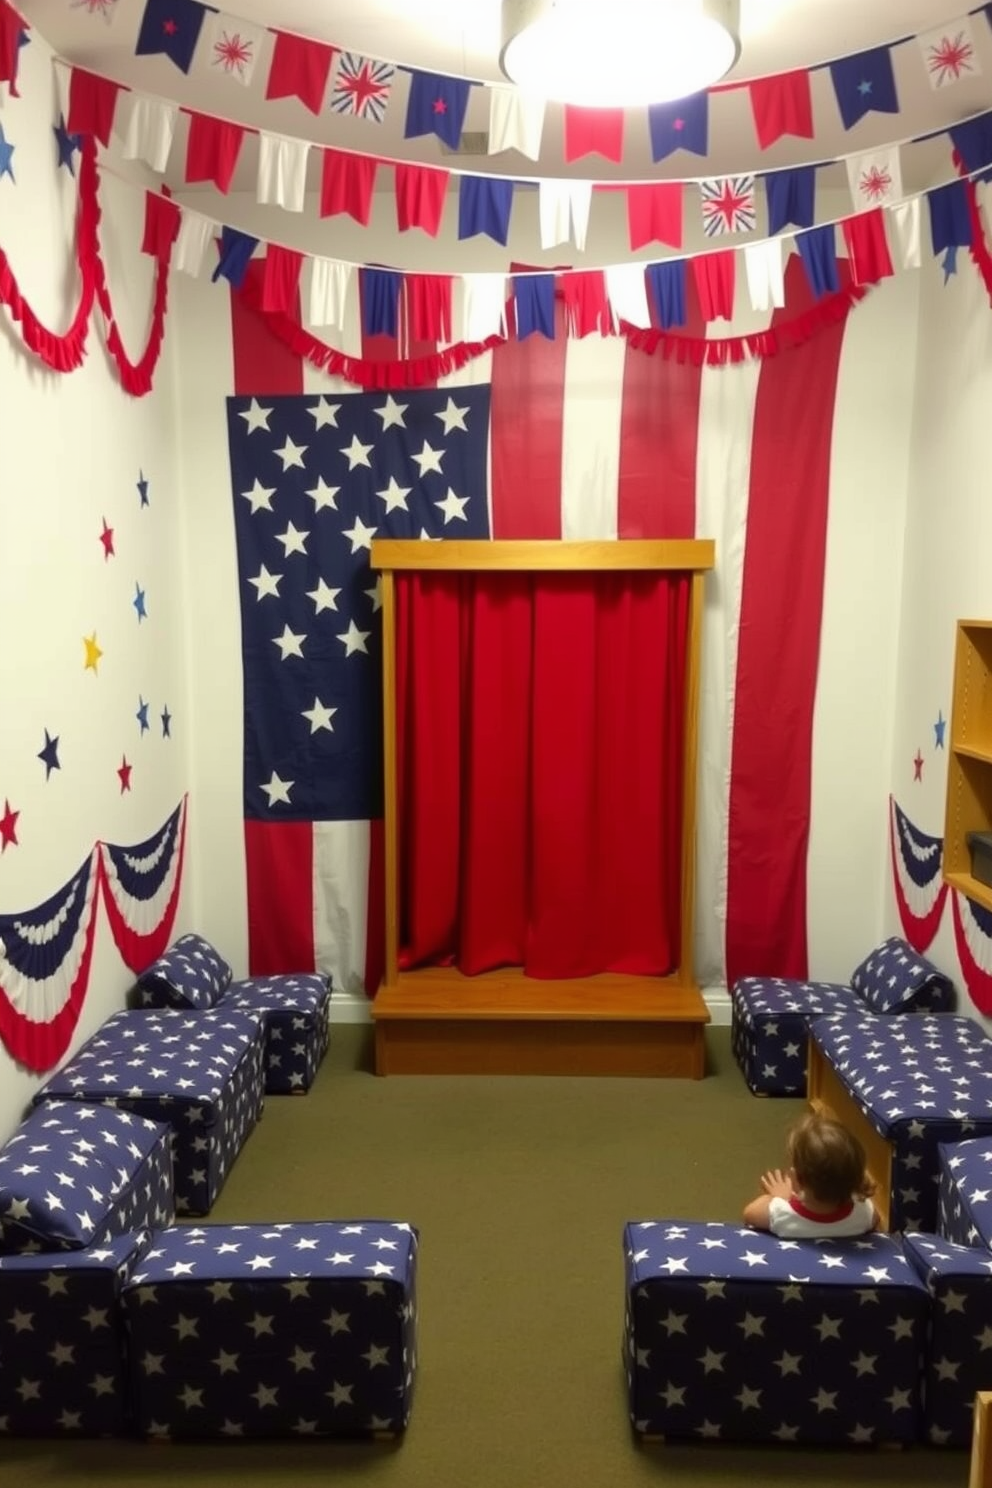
615, 53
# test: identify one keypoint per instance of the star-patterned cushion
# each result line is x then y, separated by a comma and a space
770, 1019
69, 1167
895, 978
957, 1364
191, 974
964, 1197
734, 1334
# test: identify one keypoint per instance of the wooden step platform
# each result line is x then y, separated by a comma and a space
439, 1022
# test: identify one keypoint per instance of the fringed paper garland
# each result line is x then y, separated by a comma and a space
45, 956
140, 887
917, 875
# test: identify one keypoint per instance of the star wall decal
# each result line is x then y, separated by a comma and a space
166, 724
949, 263
49, 755
139, 603
107, 538
67, 145
8, 827
6, 157
142, 484
93, 653
938, 730
918, 766
142, 714
124, 774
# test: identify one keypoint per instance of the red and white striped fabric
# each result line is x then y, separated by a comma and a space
591, 439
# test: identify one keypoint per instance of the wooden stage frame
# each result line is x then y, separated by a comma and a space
437, 1020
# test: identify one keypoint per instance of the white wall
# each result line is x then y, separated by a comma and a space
71, 450
948, 543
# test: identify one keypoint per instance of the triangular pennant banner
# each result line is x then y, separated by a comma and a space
300, 69
949, 53
171, 28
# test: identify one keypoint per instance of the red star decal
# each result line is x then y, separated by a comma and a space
918, 766
124, 774
440, 107
8, 828
107, 538
170, 28
678, 123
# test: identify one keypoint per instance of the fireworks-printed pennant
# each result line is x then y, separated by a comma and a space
107, 9
875, 178
362, 87
230, 48
949, 53
728, 205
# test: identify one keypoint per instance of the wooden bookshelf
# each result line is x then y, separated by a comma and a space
969, 761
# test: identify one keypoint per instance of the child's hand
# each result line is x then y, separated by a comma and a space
776, 1184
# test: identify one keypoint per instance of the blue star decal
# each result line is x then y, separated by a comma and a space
950, 261
6, 156
166, 723
139, 603
938, 729
67, 145
49, 756
142, 488
142, 714
864, 87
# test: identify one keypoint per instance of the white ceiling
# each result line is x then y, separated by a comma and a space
462, 37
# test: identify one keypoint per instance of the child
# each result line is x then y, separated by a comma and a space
826, 1191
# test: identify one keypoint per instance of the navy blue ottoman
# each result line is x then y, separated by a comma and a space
959, 1353
274, 1330
732, 1334
964, 1192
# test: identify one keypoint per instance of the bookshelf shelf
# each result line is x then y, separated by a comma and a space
969, 764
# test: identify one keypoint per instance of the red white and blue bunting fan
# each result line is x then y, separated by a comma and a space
917, 864
45, 958
973, 940
141, 890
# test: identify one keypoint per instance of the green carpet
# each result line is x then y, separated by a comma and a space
520, 1189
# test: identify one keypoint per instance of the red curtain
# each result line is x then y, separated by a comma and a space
540, 730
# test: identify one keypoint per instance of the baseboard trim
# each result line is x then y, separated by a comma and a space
355, 1007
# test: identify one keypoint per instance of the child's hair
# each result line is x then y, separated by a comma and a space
828, 1161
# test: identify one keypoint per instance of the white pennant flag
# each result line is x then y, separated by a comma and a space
282, 171
229, 47
875, 178
515, 122
949, 53
627, 291
147, 126
563, 207
906, 219
764, 266
329, 282
196, 233
480, 307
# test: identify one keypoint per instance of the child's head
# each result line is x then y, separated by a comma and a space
828, 1162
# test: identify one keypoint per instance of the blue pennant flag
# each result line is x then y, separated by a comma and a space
791, 197
666, 286
171, 27
949, 263
683, 125
864, 84
534, 305
818, 251
236, 249
437, 105
484, 205
950, 218
380, 301
973, 142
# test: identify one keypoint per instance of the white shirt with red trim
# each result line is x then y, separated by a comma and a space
789, 1219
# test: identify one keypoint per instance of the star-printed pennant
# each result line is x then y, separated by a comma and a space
437, 105
683, 125
171, 28
362, 87
875, 178
864, 84
230, 48
949, 53
728, 205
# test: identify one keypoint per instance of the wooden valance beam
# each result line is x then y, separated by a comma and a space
687, 555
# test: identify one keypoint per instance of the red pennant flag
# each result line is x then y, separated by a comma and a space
714, 275
92, 101
300, 69
162, 219
420, 193
428, 304
587, 305
867, 246
11, 26
593, 131
654, 213
346, 185
781, 105
281, 279
212, 150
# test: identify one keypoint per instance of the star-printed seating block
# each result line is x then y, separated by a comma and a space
294, 1008
959, 1354
274, 1330
917, 1082
734, 1335
199, 1073
770, 1016
964, 1193
62, 1343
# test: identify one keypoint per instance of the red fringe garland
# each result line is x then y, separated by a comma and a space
418, 371
61, 353
980, 255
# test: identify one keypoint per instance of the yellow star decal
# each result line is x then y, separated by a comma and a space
93, 653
